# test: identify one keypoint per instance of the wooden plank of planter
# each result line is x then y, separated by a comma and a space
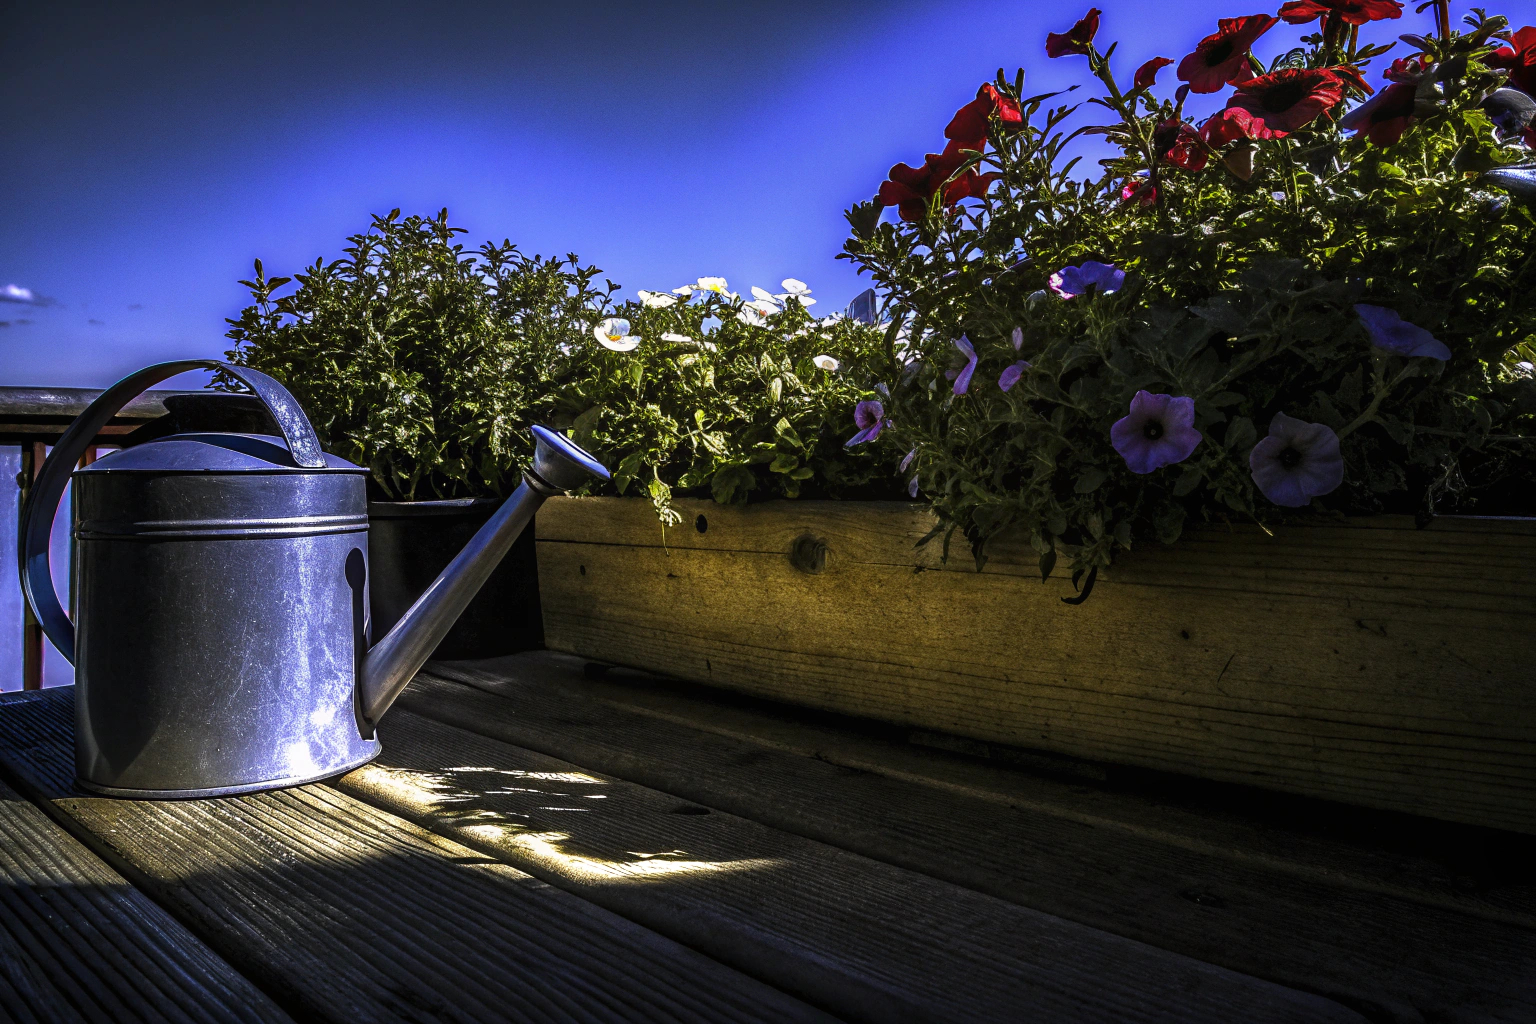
866, 940
344, 913
78, 943
1387, 934
1367, 662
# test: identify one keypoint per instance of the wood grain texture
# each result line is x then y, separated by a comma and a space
1398, 937
866, 940
78, 943
343, 913
1366, 662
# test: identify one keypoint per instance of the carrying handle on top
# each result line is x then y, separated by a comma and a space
43, 500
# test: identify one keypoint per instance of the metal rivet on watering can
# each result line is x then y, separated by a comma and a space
809, 554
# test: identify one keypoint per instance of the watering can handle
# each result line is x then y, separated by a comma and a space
43, 500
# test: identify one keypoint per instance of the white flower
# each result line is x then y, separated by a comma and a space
712, 284
613, 334
751, 316
765, 296
767, 308
826, 363
796, 290
684, 290
656, 300
681, 339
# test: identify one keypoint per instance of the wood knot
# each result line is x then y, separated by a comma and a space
809, 554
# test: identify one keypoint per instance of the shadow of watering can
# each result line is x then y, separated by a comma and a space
220, 632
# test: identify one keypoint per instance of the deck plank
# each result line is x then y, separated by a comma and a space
78, 943
867, 940
342, 912
1394, 946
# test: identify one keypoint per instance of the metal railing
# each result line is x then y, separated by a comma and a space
31, 419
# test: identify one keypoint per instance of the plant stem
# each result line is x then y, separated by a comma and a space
1381, 394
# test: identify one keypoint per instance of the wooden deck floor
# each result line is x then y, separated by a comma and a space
548, 840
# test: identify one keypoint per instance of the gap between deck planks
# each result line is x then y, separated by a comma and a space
1376, 931
79, 944
343, 913
867, 940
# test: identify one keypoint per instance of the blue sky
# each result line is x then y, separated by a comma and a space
151, 151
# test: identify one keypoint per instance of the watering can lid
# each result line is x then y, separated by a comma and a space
212, 453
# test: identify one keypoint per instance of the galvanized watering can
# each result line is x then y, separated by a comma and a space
220, 640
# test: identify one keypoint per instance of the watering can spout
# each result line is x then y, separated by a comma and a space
558, 465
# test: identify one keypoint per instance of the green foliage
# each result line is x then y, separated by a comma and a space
1243, 272
734, 407
428, 363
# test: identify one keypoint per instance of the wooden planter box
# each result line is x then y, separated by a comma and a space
1368, 662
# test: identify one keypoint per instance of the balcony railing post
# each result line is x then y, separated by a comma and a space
32, 456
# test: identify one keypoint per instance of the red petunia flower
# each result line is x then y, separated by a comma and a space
969, 185
1222, 58
1138, 190
1289, 99
1384, 117
910, 188
1076, 39
1179, 144
1407, 69
969, 125
1353, 77
1350, 12
1232, 124
1146, 75
1519, 59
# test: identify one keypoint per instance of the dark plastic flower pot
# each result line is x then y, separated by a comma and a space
409, 543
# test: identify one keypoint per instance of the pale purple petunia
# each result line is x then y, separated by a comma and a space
1073, 281
1389, 331
962, 376
1297, 462
911, 484
1159, 431
1011, 375
870, 417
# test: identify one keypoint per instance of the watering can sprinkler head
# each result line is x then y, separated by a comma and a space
558, 465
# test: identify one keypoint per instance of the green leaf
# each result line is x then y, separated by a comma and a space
1089, 480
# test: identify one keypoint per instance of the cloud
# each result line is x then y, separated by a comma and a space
24, 296
137, 305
